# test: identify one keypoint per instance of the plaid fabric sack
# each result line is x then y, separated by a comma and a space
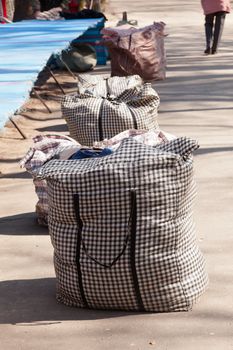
122, 229
100, 86
92, 119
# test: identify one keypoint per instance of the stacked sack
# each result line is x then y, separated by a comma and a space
93, 115
120, 199
54, 146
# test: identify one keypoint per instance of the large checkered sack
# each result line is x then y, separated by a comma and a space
93, 118
122, 229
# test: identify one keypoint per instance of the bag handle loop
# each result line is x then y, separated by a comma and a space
126, 239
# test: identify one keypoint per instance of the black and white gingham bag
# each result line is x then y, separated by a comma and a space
104, 87
122, 228
92, 118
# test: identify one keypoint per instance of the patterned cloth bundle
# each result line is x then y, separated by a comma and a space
122, 229
45, 148
50, 146
91, 117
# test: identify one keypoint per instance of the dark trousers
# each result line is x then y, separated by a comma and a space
49, 4
214, 23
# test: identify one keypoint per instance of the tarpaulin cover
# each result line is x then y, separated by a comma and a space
24, 50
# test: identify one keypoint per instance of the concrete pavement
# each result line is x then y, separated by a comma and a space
196, 101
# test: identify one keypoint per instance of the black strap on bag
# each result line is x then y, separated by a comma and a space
78, 249
132, 251
135, 125
100, 124
107, 88
131, 234
126, 239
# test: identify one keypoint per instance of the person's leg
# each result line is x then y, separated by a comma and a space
209, 23
218, 28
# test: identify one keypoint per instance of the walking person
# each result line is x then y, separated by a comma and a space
215, 12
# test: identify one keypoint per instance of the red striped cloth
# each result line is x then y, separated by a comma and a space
4, 8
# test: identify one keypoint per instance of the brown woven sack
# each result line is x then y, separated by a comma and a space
137, 51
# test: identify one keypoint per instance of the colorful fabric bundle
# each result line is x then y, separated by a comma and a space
45, 148
48, 147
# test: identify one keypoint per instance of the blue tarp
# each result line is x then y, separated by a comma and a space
24, 50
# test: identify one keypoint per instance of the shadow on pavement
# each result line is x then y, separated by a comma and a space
27, 301
33, 303
54, 128
21, 225
11, 160
201, 151
196, 110
18, 175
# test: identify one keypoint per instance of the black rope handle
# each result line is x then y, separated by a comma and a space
100, 125
107, 88
126, 240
